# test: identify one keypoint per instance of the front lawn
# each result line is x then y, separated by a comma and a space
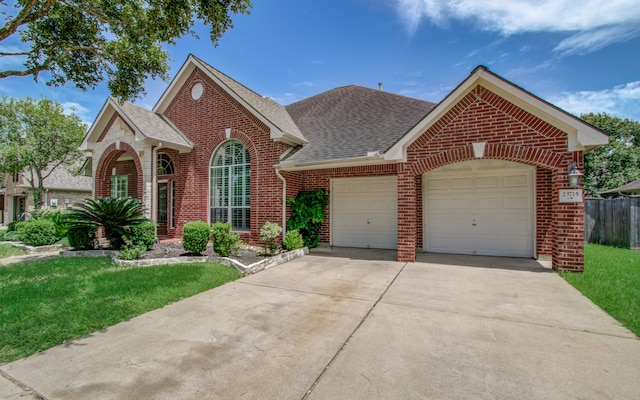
611, 279
45, 303
8, 251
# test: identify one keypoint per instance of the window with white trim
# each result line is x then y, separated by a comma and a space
230, 185
119, 186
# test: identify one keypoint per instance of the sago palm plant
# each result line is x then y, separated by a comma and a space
115, 215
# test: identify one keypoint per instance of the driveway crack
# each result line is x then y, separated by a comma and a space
355, 330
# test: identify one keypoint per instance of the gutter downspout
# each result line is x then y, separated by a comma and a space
284, 202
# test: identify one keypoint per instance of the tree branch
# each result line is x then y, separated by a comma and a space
30, 71
25, 15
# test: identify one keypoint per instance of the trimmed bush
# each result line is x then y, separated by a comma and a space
58, 217
40, 232
82, 237
293, 240
132, 252
143, 234
224, 243
269, 234
195, 236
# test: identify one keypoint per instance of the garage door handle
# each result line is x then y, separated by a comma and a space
368, 222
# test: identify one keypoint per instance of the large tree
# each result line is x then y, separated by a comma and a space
616, 163
36, 138
87, 41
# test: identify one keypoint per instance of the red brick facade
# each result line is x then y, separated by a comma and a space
509, 132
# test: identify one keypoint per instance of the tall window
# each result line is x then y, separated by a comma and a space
230, 185
119, 186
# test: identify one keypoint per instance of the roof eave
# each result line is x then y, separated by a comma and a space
376, 159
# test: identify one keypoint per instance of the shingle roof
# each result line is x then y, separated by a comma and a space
63, 179
154, 126
272, 111
631, 187
351, 121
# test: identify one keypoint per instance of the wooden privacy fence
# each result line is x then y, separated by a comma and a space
614, 222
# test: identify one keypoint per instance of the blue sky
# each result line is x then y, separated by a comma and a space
580, 55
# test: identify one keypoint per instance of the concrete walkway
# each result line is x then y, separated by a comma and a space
336, 327
29, 257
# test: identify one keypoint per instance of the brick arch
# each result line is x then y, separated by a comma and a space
107, 160
526, 155
218, 140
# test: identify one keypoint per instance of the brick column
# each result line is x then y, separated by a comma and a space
568, 227
406, 214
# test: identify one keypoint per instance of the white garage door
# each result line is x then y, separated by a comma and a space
364, 212
480, 207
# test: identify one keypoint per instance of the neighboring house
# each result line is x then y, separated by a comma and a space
61, 190
478, 173
630, 189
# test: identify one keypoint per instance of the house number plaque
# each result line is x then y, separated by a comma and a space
570, 195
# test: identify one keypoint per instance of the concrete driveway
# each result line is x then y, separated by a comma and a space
337, 327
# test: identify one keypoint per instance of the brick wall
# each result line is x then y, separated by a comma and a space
204, 122
510, 133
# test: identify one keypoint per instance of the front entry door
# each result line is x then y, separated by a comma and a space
162, 209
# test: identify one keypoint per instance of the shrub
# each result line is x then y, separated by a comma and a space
269, 234
40, 232
224, 243
12, 236
82, 237
143, 234
307, 215
195, 236
116, 215
133, 252
58, 217
11, 226
293, 240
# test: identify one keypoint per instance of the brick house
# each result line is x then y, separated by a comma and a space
61, 189
481, 172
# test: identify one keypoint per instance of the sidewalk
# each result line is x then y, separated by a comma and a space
29, 257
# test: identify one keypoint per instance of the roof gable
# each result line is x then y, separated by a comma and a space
145, 124
581, 135
282, 127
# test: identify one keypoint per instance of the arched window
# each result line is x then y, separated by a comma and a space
165, 165
230, 185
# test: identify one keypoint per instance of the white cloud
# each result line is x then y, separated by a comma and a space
71, 107
601, 22
588, 42
621, 101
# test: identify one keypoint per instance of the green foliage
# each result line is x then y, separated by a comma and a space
58, 217
13, 236
132, 252
82, 237
36, 138
195, 236
293, 240
269, 234
86, 42
45, 303
116, 216
224, 243
15, 231
39, 232
307, 215
618, 162
611, 279
143, 234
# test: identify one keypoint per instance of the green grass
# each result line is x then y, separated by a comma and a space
8, 251
45, 303
611, 279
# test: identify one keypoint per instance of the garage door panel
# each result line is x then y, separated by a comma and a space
364, 212
487, 211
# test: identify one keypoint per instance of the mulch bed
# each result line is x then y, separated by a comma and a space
248, 254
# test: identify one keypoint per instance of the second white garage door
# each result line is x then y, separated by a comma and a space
482, 207
364, 212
